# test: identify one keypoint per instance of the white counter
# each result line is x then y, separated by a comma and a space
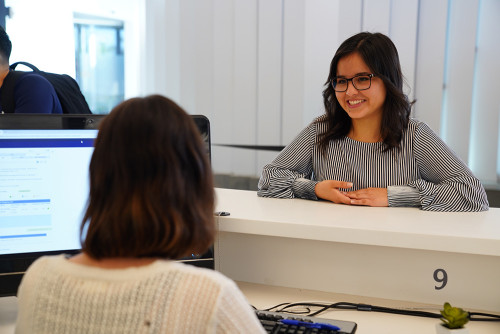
297, 250
395, 253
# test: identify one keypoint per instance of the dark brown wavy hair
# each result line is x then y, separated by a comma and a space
380, 54
5, 47
151, 185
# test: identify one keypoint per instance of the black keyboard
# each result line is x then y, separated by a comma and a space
278, 322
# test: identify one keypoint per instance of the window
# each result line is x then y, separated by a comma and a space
99, 61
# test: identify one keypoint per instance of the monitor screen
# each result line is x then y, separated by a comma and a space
44, 163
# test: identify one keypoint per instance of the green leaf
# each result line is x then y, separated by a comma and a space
454, 317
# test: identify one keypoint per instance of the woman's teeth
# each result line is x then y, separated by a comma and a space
353, 102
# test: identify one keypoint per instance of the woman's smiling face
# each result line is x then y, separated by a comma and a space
360, 104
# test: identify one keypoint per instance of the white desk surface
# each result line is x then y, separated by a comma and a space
8, 314
459, 232
264, 296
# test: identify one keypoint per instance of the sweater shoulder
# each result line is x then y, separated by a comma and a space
191, 271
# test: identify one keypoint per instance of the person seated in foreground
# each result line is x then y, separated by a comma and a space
151, 201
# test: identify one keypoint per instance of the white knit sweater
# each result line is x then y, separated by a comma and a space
59, 296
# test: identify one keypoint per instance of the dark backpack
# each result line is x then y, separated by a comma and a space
67, 90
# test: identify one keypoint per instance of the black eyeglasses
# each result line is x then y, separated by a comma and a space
360, 82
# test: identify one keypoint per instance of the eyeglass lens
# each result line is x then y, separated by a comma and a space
361, 82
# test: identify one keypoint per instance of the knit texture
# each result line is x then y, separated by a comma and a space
59, 296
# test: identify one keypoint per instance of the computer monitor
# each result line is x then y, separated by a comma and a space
44, 163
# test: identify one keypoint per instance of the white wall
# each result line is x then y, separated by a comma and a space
484, 152
256, 68
42, 33
36, 38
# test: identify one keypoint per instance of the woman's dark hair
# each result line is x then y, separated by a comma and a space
151, 185
381, 56
5, 46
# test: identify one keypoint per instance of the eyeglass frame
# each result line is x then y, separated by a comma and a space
370, 75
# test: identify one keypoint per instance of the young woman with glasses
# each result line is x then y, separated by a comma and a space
366, 150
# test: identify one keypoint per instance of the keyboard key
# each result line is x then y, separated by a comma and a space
272, 325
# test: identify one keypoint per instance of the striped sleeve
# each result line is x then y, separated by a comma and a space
446, 184
291, 172
403, 196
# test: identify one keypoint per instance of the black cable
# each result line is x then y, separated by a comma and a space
415, 313
473, 316
340, 305
276, 306
490, 317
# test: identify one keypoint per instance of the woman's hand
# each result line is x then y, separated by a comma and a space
329, 190
369, 197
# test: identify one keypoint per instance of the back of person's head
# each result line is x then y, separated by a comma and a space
5, 46
381, 56
151, 186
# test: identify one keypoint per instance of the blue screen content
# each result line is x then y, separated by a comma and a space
43, 188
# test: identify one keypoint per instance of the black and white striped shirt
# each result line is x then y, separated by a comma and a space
423, 173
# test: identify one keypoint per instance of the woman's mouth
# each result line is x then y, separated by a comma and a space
354, 103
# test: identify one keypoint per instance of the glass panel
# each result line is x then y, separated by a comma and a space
100, 65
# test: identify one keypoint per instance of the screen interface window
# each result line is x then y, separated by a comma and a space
43, 188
